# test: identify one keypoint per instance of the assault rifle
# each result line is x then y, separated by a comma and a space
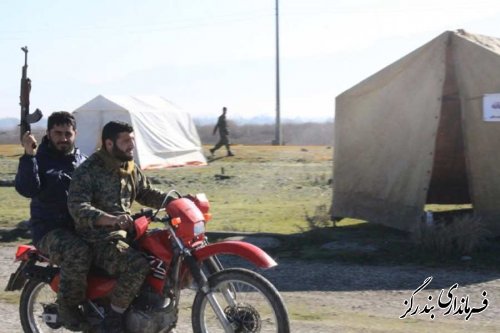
27, 118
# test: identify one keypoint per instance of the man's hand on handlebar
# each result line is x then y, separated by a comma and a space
124, 222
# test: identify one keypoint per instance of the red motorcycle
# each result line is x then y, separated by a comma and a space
226, 299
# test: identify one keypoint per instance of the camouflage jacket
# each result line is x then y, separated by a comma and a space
97, 189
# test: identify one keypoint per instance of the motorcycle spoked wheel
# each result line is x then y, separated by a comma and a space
251, 304
34, 296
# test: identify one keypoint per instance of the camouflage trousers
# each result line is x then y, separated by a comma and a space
116, 257
72, 254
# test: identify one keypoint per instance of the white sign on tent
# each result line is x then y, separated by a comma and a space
491, 107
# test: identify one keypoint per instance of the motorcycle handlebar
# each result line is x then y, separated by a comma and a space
146, 212
150, 214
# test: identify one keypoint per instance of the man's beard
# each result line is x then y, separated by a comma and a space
120, 154
63, 149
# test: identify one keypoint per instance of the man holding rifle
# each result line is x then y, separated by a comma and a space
44, 174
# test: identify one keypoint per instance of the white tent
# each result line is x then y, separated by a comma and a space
165, 135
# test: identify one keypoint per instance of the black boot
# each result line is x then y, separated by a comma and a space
71, 317
113, 322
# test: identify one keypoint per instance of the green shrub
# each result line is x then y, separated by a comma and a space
318, 225
320, 219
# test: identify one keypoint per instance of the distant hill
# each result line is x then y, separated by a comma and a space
9, 130
12, 123
8, 123
255, 131
259, 120
309, 133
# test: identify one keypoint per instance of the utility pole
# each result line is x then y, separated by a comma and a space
278, 139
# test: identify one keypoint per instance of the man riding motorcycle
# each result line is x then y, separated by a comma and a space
44, 174
100, 196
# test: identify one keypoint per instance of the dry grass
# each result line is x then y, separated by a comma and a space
275, 189
267, 189
462, 236
264, 153
11, 150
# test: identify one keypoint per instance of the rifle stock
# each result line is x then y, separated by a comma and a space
27, 118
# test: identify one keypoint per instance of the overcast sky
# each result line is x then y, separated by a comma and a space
205, 54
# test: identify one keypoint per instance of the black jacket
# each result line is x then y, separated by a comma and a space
45, 179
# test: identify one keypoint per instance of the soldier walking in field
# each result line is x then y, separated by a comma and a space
223, 133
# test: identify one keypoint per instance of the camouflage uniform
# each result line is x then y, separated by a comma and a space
72, 255
99, 188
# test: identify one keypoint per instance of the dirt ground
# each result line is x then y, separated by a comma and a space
338, 297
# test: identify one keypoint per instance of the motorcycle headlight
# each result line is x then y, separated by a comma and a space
199, 228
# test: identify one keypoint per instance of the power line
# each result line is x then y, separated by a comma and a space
187, 23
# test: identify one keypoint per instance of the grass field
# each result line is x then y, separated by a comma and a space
262, 188
270, 189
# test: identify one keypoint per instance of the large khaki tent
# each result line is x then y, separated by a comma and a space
423, 130
165, 135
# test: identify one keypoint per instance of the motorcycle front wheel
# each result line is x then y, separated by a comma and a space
35, 296
248, 301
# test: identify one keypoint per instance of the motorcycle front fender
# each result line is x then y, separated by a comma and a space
248, 251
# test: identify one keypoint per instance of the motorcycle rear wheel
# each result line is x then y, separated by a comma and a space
35, 294
250, 302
